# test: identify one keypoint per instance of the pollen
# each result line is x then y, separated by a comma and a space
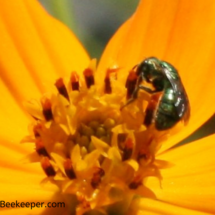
88, 145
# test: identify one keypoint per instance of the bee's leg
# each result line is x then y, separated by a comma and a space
148, 90
150, 111
133, 98
135, 94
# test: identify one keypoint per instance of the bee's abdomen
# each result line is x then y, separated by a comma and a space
166, 115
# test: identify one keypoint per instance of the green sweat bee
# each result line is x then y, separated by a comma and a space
173, 104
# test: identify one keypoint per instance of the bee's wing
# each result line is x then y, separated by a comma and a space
181, 103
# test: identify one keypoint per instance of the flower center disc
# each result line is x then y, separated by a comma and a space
91, 147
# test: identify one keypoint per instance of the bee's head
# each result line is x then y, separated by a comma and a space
149, 69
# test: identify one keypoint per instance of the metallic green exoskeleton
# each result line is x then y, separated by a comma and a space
173, 104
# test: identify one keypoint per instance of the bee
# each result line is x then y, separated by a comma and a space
172, 104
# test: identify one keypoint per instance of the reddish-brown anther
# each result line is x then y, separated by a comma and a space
75, 81
107, 89
137, 181
47, 167
83, 200
69, 169
121, 139
37, 128
40, 148
143, 154
62, 88
89, 78
97, 177
47, 109
128, 149
131, 83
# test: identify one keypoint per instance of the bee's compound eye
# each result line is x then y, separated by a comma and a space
144, 67
146, 70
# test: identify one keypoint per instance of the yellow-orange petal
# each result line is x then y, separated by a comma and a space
13, 158
172, 31
35, 48
33, 211
65, 51
25, 187
153, 207
13, 123
145, 34
190, 183
17, 182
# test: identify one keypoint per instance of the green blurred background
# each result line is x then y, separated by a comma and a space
94, 22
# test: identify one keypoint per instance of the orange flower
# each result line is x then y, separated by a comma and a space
100, 172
